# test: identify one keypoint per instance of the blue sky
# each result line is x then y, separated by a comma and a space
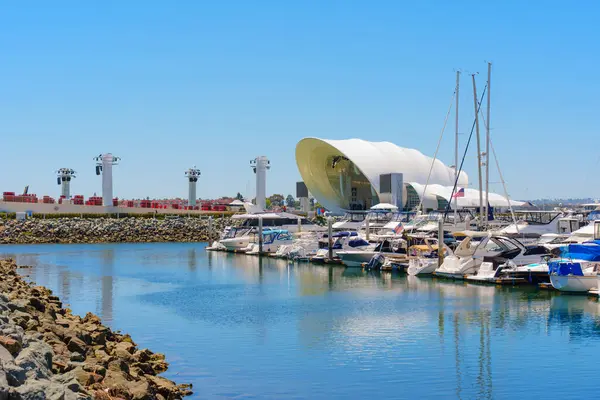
166, 85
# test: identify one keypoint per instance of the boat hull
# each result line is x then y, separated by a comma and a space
533, 277
355, 259
421, 267
574, 283
457, 268
235, 244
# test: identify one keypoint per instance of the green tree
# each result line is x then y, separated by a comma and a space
290, 201
277, 200
268, 203
239, 196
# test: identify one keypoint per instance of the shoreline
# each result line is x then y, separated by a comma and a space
110, 230
47, 350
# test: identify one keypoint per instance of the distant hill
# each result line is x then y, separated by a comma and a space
576, 201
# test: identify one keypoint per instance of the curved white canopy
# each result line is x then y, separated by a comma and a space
372, 159
470, 199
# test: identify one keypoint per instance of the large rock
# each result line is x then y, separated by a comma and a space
36, 360
10, 344
18, 305
141, 390
3, 384
117, 382
37, 304
163, 385
124, 350
46, 390
77, 345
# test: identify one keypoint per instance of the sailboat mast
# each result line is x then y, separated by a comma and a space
456, 148
487, 143
478, 150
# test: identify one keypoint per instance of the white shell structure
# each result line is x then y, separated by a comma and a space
344, 174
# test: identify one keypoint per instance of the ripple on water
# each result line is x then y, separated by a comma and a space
241, 327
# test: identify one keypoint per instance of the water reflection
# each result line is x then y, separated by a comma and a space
107, 271
191, 259
305, 320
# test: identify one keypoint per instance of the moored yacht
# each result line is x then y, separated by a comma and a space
272, 240
477, 247
390, 246
577, 269
341, 241
533, 224
239, 237
377, 219
497, 267
423, 259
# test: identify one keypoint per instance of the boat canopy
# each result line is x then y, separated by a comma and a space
384, 206
594, 216
589, 251
564, 268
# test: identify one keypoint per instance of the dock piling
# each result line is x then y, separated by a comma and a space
330, 237
260, 235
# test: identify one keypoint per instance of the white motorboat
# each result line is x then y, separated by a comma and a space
533, 273
391, 246
378, 217
341, 241
577, 269
423, 258
575, 276
272, 240
475, 246
240, 237
493, 267
585, 233
533, 224
304, 246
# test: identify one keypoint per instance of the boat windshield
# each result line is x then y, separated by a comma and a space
355, 216
237, 231
380, 215
403, 216
284, 236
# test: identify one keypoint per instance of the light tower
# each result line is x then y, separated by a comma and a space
260, 165
104, 164
63, 178
192, 174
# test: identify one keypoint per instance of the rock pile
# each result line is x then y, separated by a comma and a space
48, 353
104, 230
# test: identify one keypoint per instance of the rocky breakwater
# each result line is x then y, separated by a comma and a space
48, 353
105, 230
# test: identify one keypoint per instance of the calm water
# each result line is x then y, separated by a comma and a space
239, 327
